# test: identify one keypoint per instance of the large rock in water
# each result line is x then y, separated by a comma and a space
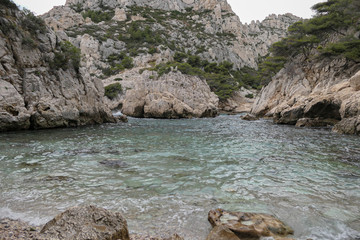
173, 95
240, 225
87, 222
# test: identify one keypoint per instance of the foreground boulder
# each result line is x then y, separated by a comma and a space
87, 222
239, 225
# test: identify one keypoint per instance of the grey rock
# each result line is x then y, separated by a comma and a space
87, 222
32, 95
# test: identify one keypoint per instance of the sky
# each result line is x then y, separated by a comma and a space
247, 10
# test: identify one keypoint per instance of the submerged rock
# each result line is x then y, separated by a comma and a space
245, 225
87, 222
57, 178
114, 163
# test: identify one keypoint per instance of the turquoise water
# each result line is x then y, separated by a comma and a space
174, 171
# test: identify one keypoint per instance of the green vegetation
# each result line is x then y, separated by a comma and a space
8, 4
68, 56
221, 77
310, 37
118, 63
99, 16
113, 90
28, 42
32, 24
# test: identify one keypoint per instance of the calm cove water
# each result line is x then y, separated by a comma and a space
175, 171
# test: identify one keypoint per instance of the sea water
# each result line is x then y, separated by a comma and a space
173, 172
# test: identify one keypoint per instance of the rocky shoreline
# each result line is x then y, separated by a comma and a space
90, 222
16, 229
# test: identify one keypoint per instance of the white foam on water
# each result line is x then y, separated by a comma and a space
339, 232
32, 218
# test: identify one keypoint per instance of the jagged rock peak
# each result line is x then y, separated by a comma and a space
168, 5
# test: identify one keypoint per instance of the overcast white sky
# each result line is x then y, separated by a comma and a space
247, 10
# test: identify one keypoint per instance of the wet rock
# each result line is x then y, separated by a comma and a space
222, 233
248, 225
249, 117
114, 163
87, 222
57, 178
348, 126
122, 118
142, 237
315, 122
290, 116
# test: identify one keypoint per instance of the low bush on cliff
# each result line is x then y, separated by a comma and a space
68, 56
8, 4
311, 37
98, 16
118, 63
32, 23
221, 77
113, 90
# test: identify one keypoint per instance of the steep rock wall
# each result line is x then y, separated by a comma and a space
34, 95
316, 93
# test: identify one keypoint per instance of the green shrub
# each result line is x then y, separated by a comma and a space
98, 16
9, 4
153, 50
28, 42
68, 56
180, 56
250, 95
113, 90
32, 24
127, 62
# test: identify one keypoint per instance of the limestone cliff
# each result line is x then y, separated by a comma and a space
43, 84
319, 84
150, 33
318, 93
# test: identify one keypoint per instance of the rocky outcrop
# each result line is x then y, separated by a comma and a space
227, 38
249, 117
239, 225
87, 222
171, 95
36, 91
206, 28
318, 93
241, 101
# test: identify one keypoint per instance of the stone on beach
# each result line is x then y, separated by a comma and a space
245, 226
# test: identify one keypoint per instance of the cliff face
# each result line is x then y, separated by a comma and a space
318, 93
39, 85
208, 27
319, 84
152, 32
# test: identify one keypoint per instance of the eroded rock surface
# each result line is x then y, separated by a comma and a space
172, 95
36, 89
313, 94
87, 222
245, 226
